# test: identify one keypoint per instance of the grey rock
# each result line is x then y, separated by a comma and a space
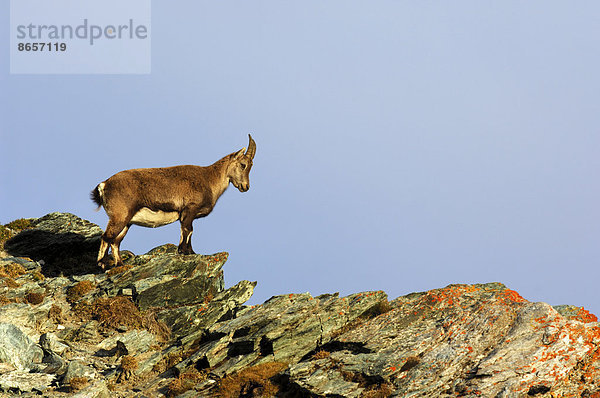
77, 368
19, 315
86, 332
64, 242
53, 349
184, 321
471, 340
163, 278
17, 349
26, 263
134, 341
284, 329
462, 340
147, 362
51, 342
323, 377
24, 382
97, 389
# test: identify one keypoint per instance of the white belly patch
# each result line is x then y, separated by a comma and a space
152, 219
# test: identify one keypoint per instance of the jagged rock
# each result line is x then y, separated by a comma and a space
21, 316
162, 278
471, 340
22, 382
134, 342
53, 349
26, 263
283, 329
17, 349
185, 320
77, 368
323, 378
64, 242
98, 389
87, 332
51, 342
462, 340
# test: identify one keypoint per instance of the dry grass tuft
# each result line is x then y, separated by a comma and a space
121, 312
11, 283
119, 270
8, 231
12, 270
117, 312
38, 276
321, 354
77, 291
55, 314
5, 300
128, 367
20, 224
185, 382
5, 235
129, 362
382, 390
168, 361
34, 298
78, 383
253, 381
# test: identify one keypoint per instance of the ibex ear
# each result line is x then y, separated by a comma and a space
239, 153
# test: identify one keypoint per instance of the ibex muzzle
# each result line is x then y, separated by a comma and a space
160, 196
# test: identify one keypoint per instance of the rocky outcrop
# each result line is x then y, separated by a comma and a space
63, 242
164, 325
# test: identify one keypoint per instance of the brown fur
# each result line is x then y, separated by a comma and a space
182, 193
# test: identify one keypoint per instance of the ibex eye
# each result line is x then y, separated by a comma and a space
243, 166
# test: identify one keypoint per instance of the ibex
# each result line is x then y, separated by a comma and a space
160, 196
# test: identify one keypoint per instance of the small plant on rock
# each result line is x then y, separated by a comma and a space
78, 383
185, 382
77, 291
252, 381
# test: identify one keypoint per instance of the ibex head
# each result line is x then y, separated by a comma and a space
240, 165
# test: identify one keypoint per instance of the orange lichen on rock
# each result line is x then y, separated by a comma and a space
512, 296
450, 295
585, 316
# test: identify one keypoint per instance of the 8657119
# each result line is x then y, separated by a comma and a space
42, 47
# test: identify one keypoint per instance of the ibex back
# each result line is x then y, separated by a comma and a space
160, 196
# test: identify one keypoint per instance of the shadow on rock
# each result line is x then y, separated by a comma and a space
65, 243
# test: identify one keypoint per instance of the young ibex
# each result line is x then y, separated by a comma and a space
160, 196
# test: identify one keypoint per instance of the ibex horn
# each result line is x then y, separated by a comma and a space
251, 148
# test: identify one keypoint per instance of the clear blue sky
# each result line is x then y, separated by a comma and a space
402, 146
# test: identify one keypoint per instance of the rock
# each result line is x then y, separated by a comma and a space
323, 378
64, 242
163, 278
86, 332
461, 340
134, 342
283, 329
471, 340
23, 382
185, 320
77, 368
51, 342
98, 389
53, 349
17, 349
21, 316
